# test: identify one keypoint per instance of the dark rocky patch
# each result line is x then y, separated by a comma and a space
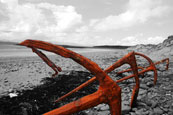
41, 99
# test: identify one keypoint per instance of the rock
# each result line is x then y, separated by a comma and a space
132, 113
141, 92
171, 110
149, 84
142, 112
145, 113
153, 104
151, 112
105, 107
103, 113
144, 86
165, 109
124, 96
26, 105
158, 111
11, 95
125, 102
24, 111
134, 109
102, 107
126, 90
170, 113
139, 97
138, 112
166, 106
125, 109
142, 104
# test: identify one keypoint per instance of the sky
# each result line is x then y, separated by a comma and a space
87, 22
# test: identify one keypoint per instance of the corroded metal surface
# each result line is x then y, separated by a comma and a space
162, 61
108, 92
47, 61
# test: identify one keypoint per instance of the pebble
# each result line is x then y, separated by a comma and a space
170, 113
138, 112
125, 109
105, 107
142, 104
165, 109
139, 97
126, 90
158, 111
11, 95
149, 84
141, 92
151, 112
102, 107
153, 104
134, 109
24, 111
125, 102
102, 113
144, 86
132, 113
124, 96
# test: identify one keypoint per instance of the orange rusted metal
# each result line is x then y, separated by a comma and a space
108, 92
150, 68
162, 61
142, 68
128, 70
47, 61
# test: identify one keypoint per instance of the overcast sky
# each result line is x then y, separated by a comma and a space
87, 22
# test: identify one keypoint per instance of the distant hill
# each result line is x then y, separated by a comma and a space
166, 43
13, 45
9, 45
164, 49
112, 46
142, 48
71, 46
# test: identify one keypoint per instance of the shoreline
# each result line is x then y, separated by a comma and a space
18, 73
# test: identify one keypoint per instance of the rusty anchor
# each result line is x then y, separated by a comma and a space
108, 92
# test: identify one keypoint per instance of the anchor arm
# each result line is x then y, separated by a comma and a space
79, 105
104, 80
164, 60
47, 61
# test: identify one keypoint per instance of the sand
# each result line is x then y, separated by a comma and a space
24, 70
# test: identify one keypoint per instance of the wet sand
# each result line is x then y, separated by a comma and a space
24, 71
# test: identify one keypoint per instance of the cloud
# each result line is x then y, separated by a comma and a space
51, 22
140, 39
36, 19
138, 11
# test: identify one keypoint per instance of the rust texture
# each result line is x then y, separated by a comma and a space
162, 61
47, 61
108, 92
166, 60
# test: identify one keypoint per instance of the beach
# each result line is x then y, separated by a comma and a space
22, 69
26, 83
